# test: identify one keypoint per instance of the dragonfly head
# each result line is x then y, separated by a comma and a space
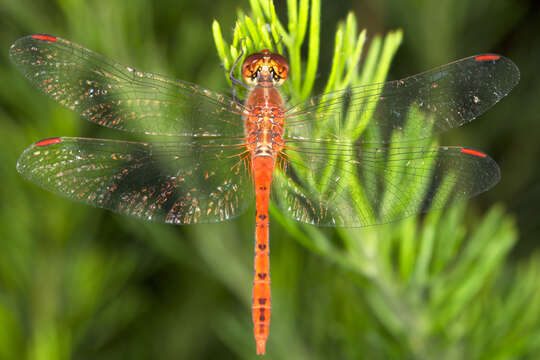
265, 67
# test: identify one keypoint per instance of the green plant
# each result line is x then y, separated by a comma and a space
429, 286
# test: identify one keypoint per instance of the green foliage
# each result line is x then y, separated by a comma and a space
78, 282
425, 284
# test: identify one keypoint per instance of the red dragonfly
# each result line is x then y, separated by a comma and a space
331, 160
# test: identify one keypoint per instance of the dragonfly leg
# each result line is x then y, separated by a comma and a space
234, 80
276, 44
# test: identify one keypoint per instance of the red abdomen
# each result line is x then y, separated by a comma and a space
264, 130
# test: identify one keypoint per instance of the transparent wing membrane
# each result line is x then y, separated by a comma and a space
120, 97
436, 100
349, 157
181, 183
340, 184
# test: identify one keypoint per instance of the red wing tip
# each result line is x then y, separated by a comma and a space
487, 57
44, 37
48, 141
261, 345
473, 152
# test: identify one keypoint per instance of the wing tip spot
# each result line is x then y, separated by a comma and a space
487, 57
473, 152
48, 141
44, 37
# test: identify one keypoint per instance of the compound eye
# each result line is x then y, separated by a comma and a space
278, 81
251, 67
280, 66
255, 63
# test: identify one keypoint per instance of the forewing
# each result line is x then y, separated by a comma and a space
201, 181
431, 102
120, 97
339, 184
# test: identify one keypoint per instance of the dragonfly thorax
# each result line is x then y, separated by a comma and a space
264, 68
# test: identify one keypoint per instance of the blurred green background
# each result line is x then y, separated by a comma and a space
83, 283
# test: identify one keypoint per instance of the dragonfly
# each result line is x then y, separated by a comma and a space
349, 158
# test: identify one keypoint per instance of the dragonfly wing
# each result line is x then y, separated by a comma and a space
426, 104
201, 181
338, 184
120, 97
